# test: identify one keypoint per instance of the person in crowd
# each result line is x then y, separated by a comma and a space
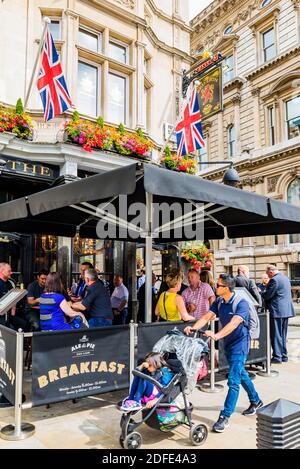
236, 344
119, 301
54, 308
81, 289
32, 308
262, 287
141, 279
298, 297
243, 280
207, 277
164, 285
198, 297
7, 284
141, 317
170, 306
279, 302
96, 303
143, 392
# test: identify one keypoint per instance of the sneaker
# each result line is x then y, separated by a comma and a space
275, 361
221, 424
130, 406
253, 408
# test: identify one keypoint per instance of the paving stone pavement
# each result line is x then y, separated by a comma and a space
95, 422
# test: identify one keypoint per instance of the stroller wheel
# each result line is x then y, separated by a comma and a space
198, 434
121, 441
133, 441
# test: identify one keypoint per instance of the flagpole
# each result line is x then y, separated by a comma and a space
37, 62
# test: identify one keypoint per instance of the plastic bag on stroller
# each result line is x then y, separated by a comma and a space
188, 350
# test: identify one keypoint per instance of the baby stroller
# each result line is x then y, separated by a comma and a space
183, 355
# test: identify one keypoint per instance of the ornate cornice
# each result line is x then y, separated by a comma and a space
281, 58
252, 180
170, 19
237, 83
127, 3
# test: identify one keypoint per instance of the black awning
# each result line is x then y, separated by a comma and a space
220, 209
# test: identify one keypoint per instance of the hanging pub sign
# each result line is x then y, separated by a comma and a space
210, 92
71, 364
198, 70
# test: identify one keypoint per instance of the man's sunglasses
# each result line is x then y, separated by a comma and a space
219, 285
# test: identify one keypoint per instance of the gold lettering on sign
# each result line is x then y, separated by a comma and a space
29, 168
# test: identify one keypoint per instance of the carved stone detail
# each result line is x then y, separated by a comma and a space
272, 183
252, 181
126, 3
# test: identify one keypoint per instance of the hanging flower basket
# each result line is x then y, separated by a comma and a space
197, 257
185, 164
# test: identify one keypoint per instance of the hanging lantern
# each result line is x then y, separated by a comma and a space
49, 243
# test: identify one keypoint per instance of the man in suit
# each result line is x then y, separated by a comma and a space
278, 298
243, 280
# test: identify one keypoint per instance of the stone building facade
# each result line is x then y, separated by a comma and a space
259, 128
122, 60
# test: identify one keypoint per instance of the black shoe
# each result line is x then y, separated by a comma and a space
285, 360
275, 361
253, 408
221, 424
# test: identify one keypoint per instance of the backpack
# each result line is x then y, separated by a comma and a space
254, 324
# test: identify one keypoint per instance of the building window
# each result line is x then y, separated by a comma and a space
228, 30
89, 40
55, 29
231, 141
146, 106
87, 89
203, 156
293, 117
268, 44
118, 52
276, 240
117, 99
272, 125
265, 3
293, 197
228, 73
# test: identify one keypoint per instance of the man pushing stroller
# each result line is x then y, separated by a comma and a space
235, 321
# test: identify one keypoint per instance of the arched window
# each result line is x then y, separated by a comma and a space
228, 30
293, 197
265, 3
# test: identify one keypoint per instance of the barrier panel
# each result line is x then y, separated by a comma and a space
258, 348
149, 334
8, 364
71, 364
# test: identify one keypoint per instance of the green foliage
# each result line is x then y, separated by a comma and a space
122, 129
19, 107
76, 117
140, 133
167, 151
100, 122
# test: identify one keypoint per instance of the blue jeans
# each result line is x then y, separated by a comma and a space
100, 322
140, 388
238, 376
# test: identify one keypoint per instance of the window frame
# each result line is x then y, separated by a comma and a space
119, 43
264, 49
287, 128
112, 71
231, 144
290, 237
272, 125
233, 69
94, 33
57, 19
98, 91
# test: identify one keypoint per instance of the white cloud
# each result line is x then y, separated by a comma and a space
197, 5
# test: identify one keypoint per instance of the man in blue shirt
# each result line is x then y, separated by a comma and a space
236, 344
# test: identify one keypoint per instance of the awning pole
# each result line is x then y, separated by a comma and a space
149, 241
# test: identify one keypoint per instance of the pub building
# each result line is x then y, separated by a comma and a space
29, 253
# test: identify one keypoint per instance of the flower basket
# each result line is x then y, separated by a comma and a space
183, 164
197, 257
97, 136
16, 121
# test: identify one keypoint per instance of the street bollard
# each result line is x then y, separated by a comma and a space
19, 431
212, 387
269, 373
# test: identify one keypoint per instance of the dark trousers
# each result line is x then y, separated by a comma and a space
32, 316
279, 329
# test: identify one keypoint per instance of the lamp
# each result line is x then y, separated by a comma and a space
231, 176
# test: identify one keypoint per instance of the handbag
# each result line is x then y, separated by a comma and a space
203, 371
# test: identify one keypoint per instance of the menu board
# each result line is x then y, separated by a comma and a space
11, 299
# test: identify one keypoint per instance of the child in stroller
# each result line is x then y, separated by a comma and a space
168, 407
143, 391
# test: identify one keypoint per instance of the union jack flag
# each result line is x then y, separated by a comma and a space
189, 132
51, 81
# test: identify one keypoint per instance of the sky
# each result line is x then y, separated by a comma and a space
197, 5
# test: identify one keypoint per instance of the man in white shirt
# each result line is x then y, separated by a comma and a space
119, 301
